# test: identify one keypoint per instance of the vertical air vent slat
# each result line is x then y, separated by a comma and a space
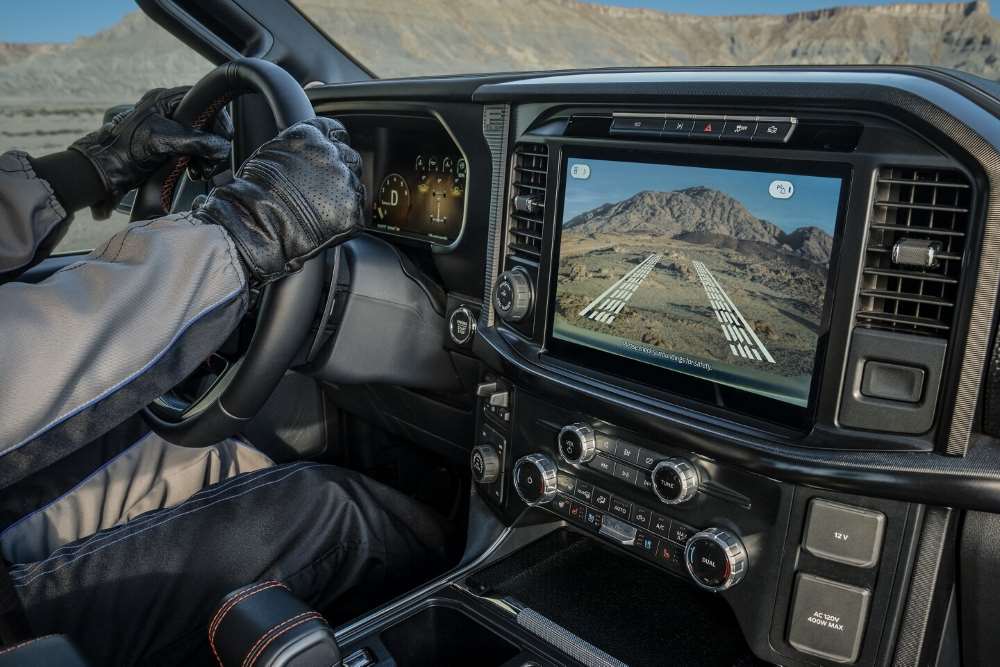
913, 258
527, 201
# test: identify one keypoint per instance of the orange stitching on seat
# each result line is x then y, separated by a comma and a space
268, 637
213, 627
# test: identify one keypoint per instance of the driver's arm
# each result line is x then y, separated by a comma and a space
100, 339
38, 196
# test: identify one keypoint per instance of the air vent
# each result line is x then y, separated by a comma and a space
527, 201
913, 260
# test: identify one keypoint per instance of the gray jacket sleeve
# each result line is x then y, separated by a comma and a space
101, 338
29, 212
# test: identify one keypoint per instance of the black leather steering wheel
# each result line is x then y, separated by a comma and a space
287, 307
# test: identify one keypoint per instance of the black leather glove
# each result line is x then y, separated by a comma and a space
297, 194
126, 151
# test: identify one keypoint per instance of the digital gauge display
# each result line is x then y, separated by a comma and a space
423, 196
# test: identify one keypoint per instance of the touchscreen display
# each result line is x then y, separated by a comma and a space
717, 273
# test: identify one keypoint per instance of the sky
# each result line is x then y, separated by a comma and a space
813, 202
65, 20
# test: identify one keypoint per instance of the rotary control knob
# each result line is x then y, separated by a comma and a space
513, 295
535, 479
485, 464
716, 559
577, 443
675, 481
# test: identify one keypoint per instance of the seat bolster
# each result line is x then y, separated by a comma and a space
41, 652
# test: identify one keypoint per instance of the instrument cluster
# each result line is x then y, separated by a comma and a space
422, 194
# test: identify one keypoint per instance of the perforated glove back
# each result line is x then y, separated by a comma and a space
296, 195
127, 150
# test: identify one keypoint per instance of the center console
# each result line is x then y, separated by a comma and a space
707, 324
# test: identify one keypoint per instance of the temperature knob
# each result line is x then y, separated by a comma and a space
577, 443
535, 479
513, 295
716, 559
485, 464
675, 481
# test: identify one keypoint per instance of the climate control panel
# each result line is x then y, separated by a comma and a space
714, 557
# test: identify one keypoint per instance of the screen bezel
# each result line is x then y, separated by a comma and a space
676, 382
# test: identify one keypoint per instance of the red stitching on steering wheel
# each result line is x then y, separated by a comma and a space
167, 190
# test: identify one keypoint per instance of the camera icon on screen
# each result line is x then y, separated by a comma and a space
781, 189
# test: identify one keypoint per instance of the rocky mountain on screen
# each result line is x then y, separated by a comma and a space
704, 216
810, 242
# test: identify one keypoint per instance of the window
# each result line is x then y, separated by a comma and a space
52, 93
418, 37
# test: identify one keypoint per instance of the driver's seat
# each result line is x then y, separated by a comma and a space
41, 651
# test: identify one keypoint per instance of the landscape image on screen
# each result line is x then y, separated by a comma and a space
716, 273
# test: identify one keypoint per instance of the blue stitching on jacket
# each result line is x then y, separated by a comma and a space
79, 484
149, 364
26, 582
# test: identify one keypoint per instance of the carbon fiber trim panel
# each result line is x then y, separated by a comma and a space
911, 645
496, 120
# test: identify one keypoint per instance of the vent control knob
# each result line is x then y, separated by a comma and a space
675, 481
513, 295
716, 559
527, 203
535, 479
577, 443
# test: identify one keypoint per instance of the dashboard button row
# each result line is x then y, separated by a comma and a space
626, 452
758, 129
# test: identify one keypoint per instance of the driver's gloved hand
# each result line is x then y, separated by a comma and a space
126, 151
297, 194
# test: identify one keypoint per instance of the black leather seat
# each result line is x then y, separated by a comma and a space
42, 651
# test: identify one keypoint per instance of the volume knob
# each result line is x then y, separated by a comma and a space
577, 443
513, 295
716, 559
535, 479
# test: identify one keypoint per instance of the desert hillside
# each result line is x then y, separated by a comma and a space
396, 38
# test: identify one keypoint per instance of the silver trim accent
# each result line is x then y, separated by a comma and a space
588, 442
615, 529
733, 550
688, 477
565, 641
496, 127
546, 469
440, 582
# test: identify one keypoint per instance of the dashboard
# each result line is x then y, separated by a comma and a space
719, 317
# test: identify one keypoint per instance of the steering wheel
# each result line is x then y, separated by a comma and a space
287, 306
